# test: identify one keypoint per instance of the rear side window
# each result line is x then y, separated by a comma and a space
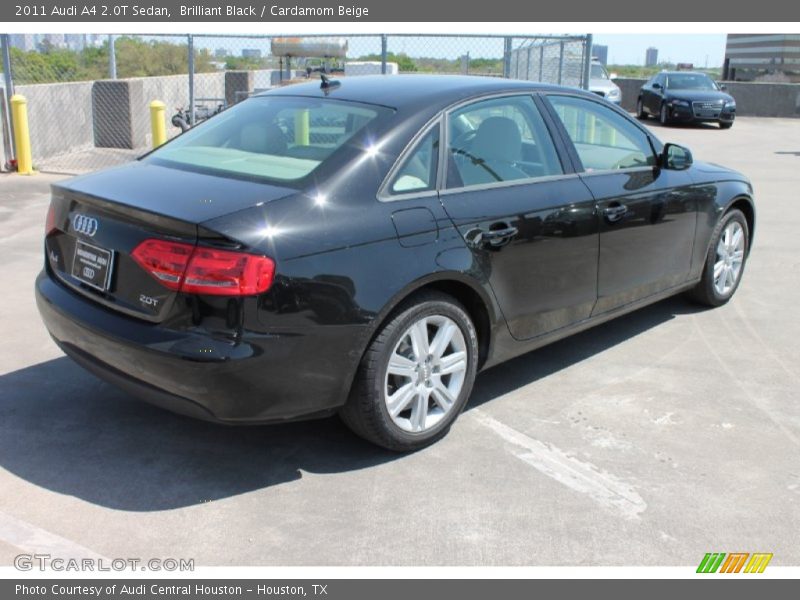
418, 171
603, 139
276, 138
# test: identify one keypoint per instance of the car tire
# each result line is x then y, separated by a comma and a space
640, 114
725, 262
725, 125
663, 114
436, 397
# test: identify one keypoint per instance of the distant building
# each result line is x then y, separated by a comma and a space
651, 57
251, 53
23, 41
75, 41
750, 57
600, 53
220, 53
55, 40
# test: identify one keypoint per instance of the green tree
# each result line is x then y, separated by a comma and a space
404, 62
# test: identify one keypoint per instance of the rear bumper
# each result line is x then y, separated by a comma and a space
257, 378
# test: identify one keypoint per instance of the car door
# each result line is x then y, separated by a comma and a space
647, 215
525, 214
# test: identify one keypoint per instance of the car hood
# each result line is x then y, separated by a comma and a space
180, 194
602, 85
713, 170
699, 95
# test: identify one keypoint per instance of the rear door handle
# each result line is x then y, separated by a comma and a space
494, 238
615, 213
498, 234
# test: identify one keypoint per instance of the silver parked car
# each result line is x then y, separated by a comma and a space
600, 83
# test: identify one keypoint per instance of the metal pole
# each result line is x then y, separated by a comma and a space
528, 63
112, 58
384, 52
587, 66
561, 62
541, 61
191, 80
507, 42
8, 126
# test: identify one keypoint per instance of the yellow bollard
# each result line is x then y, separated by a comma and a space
158, 123
22, 136
301, 127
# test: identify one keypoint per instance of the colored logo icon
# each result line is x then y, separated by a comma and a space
734, 562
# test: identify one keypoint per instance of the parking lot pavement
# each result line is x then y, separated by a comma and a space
649, 440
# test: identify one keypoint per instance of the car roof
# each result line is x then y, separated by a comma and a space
412, 91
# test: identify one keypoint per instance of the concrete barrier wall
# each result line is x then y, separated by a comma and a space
630, 91
59, 117
752, 99
766, 99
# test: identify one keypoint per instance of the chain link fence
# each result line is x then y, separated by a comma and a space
89, 95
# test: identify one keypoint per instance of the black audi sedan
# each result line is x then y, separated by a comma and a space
366, 247
683, 97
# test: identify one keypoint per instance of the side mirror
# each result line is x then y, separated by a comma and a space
675, 157
723, 87
656, 86
613, 76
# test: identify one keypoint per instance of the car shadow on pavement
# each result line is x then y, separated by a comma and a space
554, 357
68, 432
677, 125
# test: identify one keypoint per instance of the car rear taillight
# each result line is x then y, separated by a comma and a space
199, 270
166, 261
50, 222
227, 273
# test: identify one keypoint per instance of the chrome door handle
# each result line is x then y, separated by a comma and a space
615, 213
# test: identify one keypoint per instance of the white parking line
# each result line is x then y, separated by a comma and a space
583, 477
34, 540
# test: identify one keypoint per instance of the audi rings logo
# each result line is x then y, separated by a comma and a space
85, 225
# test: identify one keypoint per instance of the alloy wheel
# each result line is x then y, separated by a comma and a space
425, 374
729, 259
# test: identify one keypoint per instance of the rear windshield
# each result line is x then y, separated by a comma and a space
282, 139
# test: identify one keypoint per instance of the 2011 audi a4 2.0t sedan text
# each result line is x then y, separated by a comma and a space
367, 247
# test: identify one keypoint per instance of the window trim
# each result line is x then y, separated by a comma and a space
564, 161
573, 152
479, 187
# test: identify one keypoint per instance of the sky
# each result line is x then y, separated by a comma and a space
625, 48
628, 48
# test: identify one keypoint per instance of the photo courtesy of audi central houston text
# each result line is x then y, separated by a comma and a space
367, 246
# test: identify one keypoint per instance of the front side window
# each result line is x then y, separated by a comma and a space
498, 140
418, 171
281, 139
603, 139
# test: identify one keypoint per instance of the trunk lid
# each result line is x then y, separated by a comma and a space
99, 219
